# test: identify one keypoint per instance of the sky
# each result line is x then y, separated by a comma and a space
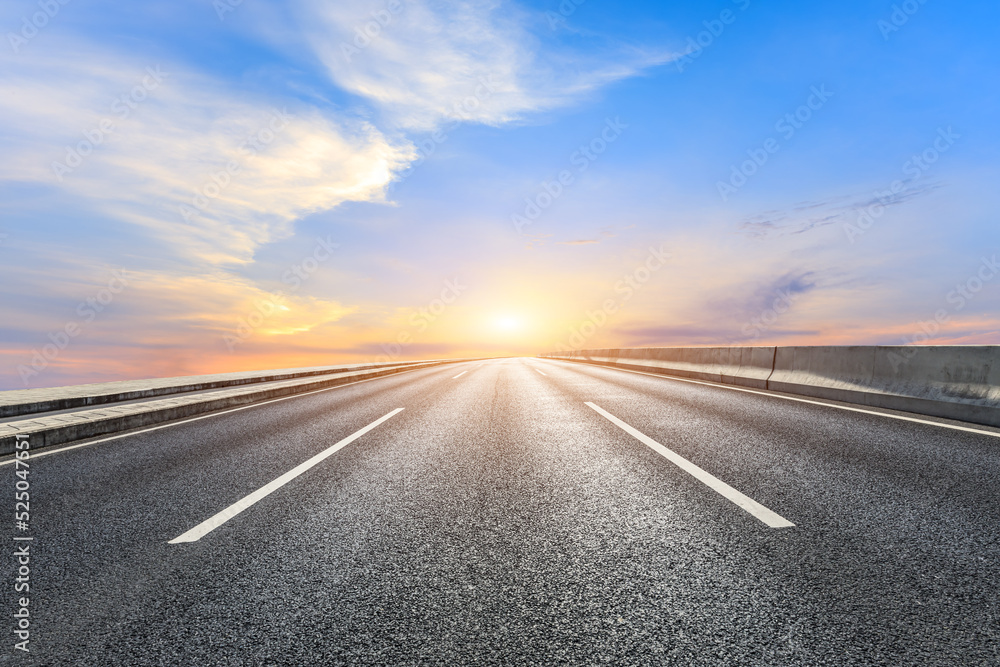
203, 186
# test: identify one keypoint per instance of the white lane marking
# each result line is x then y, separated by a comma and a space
460, 375
749, 504
35, 455
546, 374
995, 434
210, 524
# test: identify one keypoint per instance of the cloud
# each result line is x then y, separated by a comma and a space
183, 176
578, 242
424, 63
207, 170
183, 155
740, 312
806, 216
157, 322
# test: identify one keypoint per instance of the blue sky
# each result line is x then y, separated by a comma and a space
358, 145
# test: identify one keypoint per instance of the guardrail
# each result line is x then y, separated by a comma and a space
108, 418
954, 382
30, 401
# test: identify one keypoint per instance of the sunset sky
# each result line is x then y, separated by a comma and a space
192, 186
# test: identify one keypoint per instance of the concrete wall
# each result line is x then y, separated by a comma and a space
109, 418
747, 366
956, 382
31, 401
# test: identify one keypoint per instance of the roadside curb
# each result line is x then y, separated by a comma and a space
32, 401
63, 428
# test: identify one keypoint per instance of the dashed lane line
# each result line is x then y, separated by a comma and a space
663, 376
49, 452
210, 524
749, 504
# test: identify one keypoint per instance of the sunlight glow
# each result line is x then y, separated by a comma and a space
508, 323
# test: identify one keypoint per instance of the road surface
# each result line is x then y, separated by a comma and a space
518, 511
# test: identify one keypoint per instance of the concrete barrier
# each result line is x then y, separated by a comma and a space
955, 382
46, 431
703, 363
747, 366
31, 401
835, 373
756, 364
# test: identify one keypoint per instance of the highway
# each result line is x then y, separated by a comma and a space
519, 512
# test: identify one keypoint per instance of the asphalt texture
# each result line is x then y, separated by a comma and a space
499, 520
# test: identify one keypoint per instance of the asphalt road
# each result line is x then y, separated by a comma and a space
500, 519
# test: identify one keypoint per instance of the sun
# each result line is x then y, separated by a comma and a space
508, 323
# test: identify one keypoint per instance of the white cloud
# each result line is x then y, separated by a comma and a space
164, 148
423, 62
162, 165
156, 136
